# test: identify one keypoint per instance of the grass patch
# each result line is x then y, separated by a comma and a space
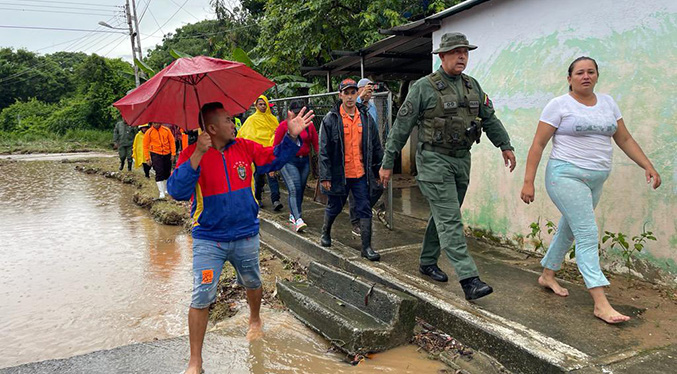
46, 142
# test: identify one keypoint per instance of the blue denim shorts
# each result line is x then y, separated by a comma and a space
208, 260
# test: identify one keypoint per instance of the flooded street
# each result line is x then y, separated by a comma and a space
84, 269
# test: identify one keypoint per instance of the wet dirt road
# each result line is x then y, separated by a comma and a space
84, 269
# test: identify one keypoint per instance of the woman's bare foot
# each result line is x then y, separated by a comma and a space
255, 331
194, 368
551, 283
610, 315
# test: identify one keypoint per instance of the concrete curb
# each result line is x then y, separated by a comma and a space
517, 347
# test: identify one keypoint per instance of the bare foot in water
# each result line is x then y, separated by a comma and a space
610, 315
551, 283
255, 331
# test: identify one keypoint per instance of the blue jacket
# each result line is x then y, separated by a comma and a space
223, 206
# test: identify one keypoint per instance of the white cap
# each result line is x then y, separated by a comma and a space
363, 82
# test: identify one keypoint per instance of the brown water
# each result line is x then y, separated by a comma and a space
84, 269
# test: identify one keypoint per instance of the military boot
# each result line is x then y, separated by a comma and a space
122, 164
325, 240
129, 165
365, 231
474, 288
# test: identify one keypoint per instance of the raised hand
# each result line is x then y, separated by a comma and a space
300, 122
204, 141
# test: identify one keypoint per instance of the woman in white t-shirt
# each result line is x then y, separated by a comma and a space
581, 125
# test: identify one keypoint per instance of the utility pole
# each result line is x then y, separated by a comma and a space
132, 34
138, 33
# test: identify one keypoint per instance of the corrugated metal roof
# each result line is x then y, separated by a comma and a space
405, 54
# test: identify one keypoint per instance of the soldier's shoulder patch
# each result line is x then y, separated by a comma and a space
406, 110
487, 102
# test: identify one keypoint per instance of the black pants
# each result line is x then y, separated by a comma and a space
374, 197
359, 189
162, 164
146, 169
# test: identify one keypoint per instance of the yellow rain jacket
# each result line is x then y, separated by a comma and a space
137, 149
260, 127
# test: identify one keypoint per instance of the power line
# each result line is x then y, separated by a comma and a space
170, 18
115, 46
54, 7
107, 44
93, 42
56, 11
156, 22
88, 35
68, 2
144, 10
56, 29
185, 10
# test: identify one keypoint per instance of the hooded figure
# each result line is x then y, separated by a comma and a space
260, 127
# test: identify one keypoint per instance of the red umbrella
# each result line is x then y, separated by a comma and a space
175, 94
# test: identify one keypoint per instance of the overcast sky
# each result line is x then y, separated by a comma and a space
160, 17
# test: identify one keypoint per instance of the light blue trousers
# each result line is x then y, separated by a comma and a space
575, 192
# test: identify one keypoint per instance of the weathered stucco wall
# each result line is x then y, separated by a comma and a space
525, 48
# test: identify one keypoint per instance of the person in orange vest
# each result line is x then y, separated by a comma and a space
159, 150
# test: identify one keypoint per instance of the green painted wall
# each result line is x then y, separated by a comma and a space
524, 67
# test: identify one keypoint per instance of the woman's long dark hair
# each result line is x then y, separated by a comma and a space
571, 67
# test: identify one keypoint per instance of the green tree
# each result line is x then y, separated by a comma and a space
215, 38
24, 75
296, 33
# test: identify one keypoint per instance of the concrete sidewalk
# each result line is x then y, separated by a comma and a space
525, 327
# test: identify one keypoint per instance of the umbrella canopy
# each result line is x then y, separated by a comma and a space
175, 94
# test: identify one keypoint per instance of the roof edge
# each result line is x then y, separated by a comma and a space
432, 21
458, 8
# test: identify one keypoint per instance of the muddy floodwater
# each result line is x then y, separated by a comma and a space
84, 269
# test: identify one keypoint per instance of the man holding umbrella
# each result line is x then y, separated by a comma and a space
215, 172
226, 227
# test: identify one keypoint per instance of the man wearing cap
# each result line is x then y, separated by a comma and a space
350, 155
453, 110
365, 91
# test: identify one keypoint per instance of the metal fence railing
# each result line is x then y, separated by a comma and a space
321, 104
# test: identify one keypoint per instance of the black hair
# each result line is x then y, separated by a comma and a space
207, 110
582, 58
296, 105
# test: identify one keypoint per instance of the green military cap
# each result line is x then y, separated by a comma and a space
452, 40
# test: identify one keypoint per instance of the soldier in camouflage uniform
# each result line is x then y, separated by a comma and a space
451, 111
123, 138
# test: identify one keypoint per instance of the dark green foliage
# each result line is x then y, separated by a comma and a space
59, 92
22, 116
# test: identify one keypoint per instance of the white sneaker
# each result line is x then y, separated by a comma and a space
291, 219
300, 225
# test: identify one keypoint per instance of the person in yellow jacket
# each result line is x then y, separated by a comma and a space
137, 151
260, 127
159, 151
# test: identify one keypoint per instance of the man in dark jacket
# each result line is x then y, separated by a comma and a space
350, 156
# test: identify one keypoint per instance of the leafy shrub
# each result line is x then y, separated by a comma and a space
25, 115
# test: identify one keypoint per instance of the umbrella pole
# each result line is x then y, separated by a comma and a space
199, 110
